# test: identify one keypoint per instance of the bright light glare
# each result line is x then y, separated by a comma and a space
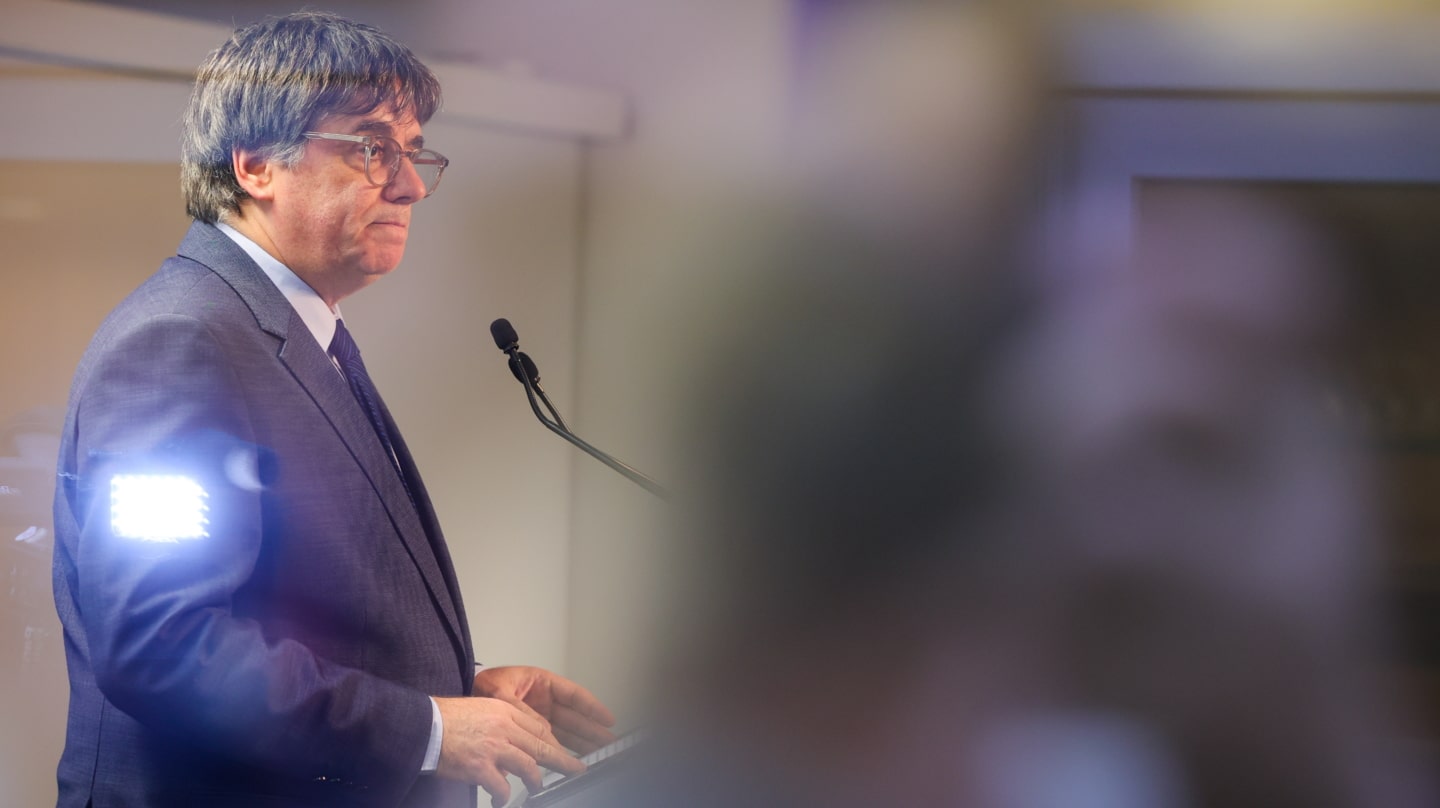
160, 508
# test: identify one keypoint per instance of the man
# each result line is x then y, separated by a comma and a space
258, 603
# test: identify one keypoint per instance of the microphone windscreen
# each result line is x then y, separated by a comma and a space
522, 359
530, 369
505, 337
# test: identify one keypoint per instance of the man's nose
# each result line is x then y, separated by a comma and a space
407, 188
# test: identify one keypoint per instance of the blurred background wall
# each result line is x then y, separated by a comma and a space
575, 224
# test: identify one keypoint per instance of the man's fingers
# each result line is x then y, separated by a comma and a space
567, 693
485, 738
545, 735
521, 762
553, 756
580, 726
581, 746
535, 740
494, 783
537, 724
520, 738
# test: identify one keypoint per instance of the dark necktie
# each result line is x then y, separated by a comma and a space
347, 353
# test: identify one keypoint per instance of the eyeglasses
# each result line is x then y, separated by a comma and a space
383, 155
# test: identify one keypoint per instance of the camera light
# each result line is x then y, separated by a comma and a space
158, 508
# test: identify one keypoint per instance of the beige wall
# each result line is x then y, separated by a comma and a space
78, 237
707, 84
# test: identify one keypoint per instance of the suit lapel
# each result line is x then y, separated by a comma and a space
313, 370
421, 500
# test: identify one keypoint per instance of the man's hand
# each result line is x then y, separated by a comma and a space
485, 739
579, 720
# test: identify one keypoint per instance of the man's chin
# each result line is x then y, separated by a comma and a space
383, 263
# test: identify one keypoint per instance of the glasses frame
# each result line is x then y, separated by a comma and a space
370, 142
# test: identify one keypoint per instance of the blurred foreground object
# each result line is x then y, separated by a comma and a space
992, 530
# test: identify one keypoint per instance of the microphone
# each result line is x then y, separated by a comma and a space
525, 371
522, 366
505, 337
530, 370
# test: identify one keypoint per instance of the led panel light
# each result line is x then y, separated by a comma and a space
159, 508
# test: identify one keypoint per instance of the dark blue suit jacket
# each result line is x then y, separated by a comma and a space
285, 657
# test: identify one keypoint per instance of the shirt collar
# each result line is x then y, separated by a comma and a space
318, 317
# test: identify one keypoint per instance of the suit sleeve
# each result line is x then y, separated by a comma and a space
164, 641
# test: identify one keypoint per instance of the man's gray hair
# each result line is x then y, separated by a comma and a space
272, 81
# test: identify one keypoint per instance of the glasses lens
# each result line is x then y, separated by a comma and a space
382, 163
429, 165
381, 159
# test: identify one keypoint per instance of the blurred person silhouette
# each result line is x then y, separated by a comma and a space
983, 529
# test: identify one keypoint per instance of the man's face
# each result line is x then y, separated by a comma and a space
329, 224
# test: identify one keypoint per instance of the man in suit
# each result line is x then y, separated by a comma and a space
258, 603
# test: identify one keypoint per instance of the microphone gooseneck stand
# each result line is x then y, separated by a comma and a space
525, 370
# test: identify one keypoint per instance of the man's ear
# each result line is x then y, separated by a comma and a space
256, 174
